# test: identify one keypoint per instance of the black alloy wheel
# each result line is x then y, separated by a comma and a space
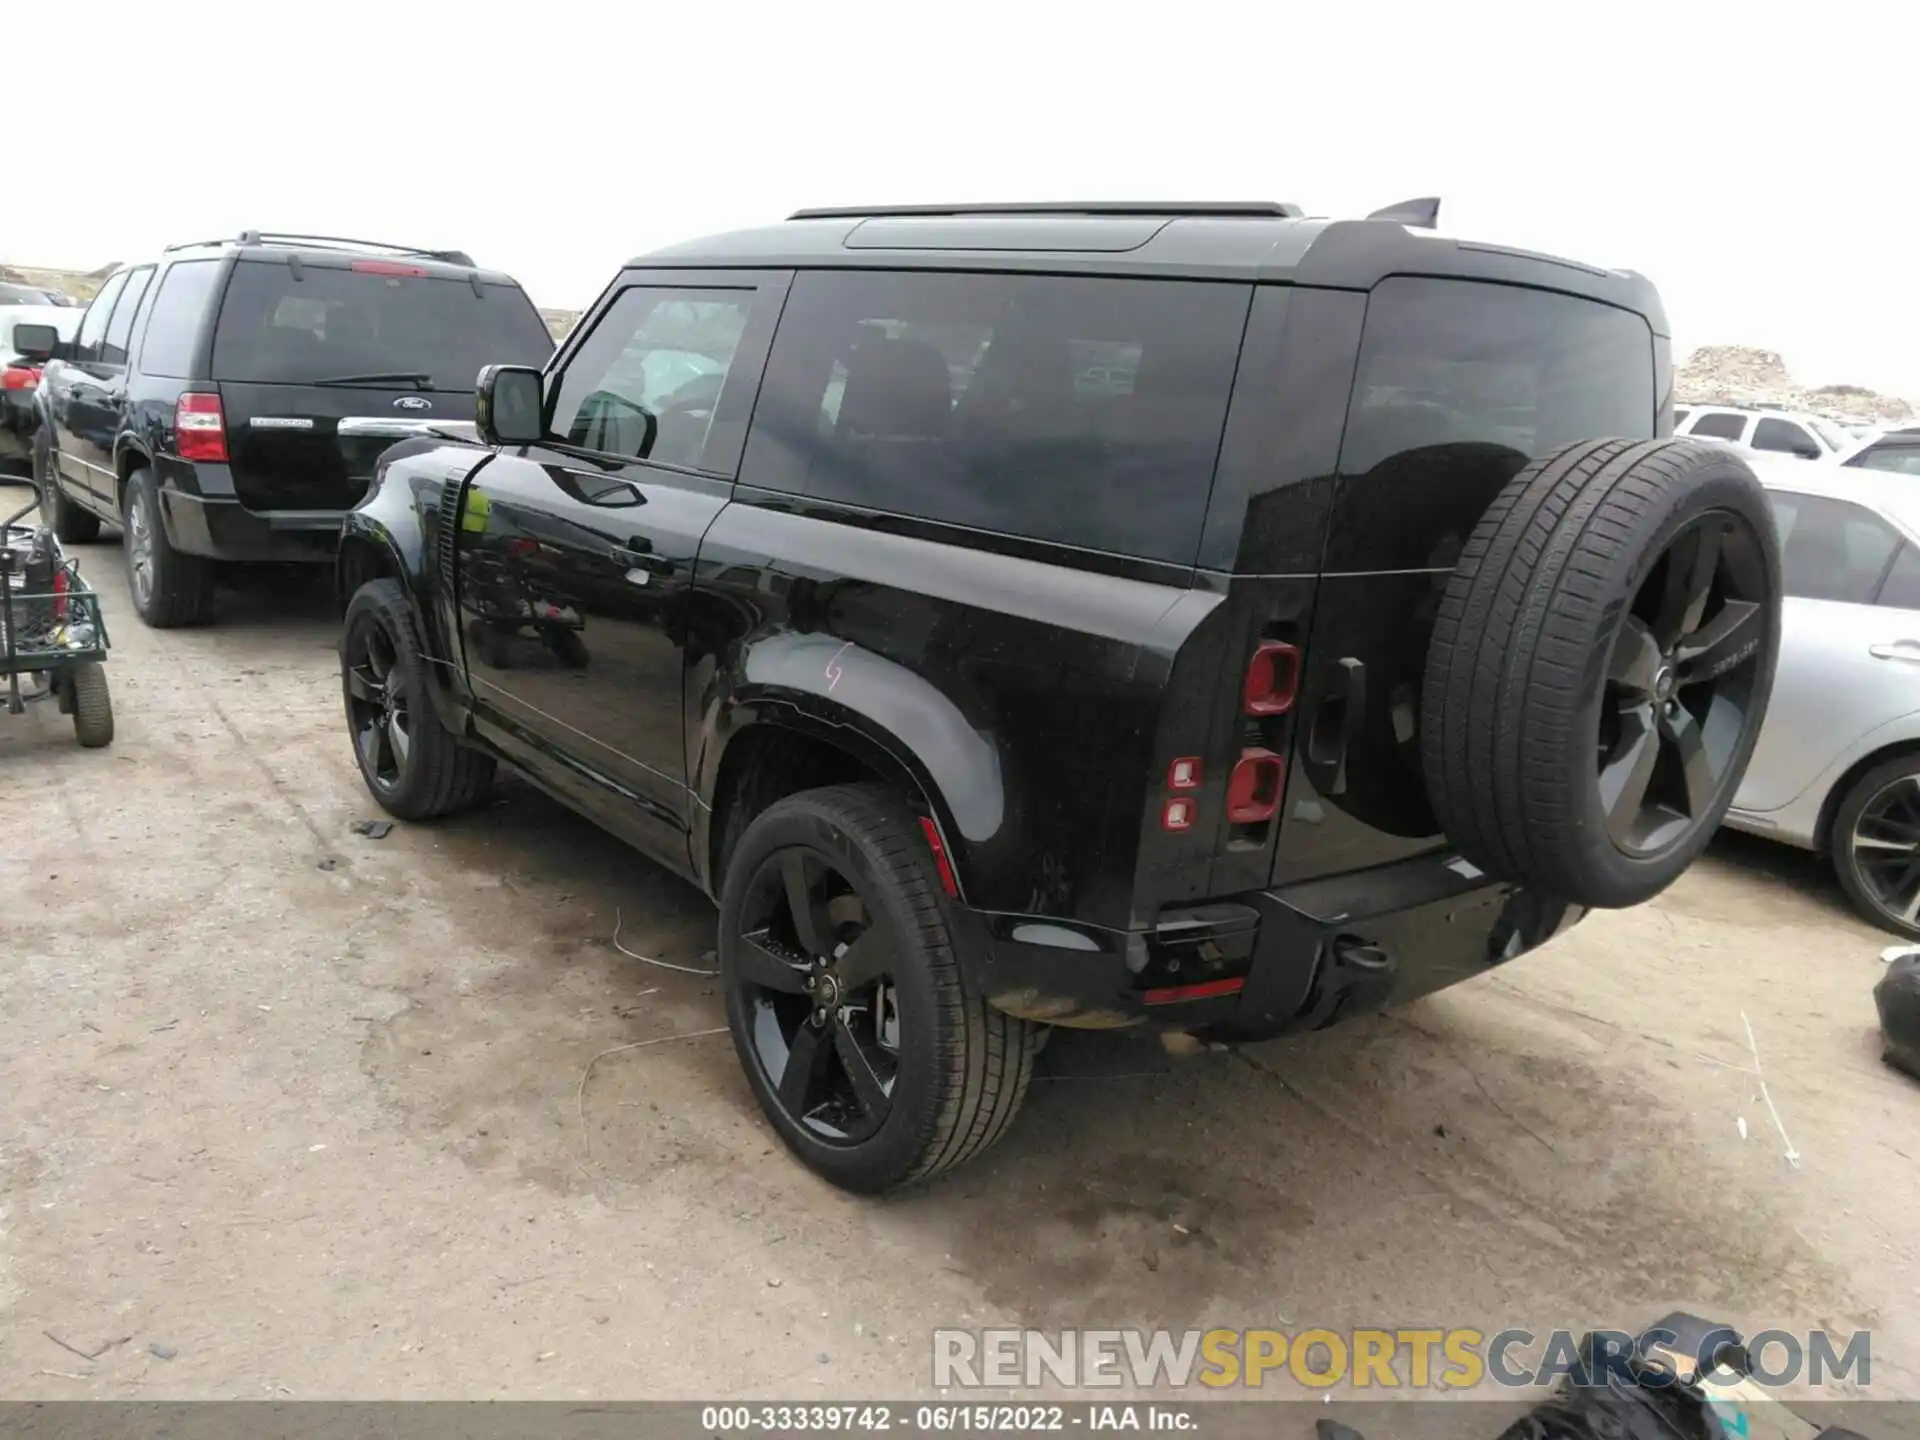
1885, 841
1682, 683
815, 986
1875, 843
379, 708
852, 995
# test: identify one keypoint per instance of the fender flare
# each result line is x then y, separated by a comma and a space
896, 721
361, 531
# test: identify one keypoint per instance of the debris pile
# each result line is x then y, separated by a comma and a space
1743, 375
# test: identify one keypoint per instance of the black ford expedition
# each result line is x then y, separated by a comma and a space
1201, 617
226, 402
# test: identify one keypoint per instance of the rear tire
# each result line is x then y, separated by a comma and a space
169, 587
957, 1068
1600, 666
71, 525
1879, 814
92, 705
410, 762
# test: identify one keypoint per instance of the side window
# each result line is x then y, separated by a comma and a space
179, 307
1080, 410
1719, 425
1785, 436
113, 347
1680, 413
1890, 455
1831, 549
646, 382
1902, 588
86, 344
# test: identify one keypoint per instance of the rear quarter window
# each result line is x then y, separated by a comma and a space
333, 322
1456, 362
1082, 410
1720, 426
179, 312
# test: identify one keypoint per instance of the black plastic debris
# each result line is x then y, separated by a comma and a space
1898, 996
372, 829
1683, 1378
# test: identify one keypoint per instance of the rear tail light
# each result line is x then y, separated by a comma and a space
59, 595
19, 377
200, 427
1253, 790
1184, 773
1178, 815
386, 267
1273, 679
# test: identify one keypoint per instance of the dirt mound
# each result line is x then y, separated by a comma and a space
1745, 375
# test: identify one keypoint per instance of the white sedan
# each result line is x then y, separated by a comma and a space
1837, 766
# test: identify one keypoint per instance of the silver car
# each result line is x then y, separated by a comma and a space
1837, 766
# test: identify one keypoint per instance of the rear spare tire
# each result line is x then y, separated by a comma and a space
1600, 667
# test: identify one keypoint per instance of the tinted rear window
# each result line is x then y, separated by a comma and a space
1450, 362
334, 322
1080, 410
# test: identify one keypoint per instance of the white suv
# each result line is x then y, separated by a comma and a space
1785, 432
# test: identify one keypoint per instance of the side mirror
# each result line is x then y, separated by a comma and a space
38, 343
507, 406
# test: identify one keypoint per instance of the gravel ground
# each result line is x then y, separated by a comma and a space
293, 1112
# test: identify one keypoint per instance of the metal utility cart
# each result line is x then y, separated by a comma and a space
51, 630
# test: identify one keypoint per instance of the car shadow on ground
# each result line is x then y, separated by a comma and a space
1754, 857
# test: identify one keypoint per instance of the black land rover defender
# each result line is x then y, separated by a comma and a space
226, 401
1102, 615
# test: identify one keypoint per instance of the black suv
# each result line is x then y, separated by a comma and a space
227, 401
1097, 615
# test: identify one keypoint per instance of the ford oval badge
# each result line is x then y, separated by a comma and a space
412, 402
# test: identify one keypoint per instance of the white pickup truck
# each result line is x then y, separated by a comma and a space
1785, 432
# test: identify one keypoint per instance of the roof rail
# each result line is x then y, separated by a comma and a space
328, 242
1270, 209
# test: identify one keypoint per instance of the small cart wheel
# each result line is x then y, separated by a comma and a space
92, 705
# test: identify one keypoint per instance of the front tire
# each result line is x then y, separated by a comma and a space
412, 765
858, 1026
1875, 842
170, 588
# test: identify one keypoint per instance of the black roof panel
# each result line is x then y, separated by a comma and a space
1252, 246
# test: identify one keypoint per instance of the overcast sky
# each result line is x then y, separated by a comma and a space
1750, 159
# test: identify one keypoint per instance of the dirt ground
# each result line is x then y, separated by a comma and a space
292, 1112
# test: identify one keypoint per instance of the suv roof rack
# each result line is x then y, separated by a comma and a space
1269, 209
328, 242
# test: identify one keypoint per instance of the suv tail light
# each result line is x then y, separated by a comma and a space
200, 427
1273, 679
19, 377
1253, 790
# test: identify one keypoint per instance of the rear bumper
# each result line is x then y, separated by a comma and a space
1300, 957
224, 529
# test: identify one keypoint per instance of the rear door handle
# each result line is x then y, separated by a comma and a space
1898, 650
